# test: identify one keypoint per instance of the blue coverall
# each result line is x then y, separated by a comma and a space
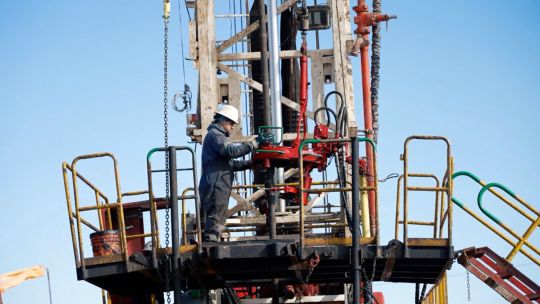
218, 166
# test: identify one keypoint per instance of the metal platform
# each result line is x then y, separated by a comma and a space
244, 263
137, 277
258, 262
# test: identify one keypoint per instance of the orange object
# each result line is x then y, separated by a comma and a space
105, 242
364, 19
12, 279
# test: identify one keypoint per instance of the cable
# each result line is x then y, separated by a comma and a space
390, 176
186, 94
182, 42
187, 10
328, 112
341, 111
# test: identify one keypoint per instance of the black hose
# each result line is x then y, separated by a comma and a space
328, 112
341, 111
342, 183
340, 161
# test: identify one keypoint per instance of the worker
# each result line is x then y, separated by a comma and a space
218, 166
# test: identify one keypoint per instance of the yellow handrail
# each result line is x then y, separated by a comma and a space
445, 190
438, 294
77, 238
437, 194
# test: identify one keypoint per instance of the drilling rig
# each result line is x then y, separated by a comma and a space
303, 223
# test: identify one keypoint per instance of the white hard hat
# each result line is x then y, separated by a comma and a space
229, 112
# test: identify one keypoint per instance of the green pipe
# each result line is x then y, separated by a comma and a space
481, 193
152, 152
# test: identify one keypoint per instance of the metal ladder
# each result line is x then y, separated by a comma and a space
500, 275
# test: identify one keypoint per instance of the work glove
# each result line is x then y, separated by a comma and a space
254, 143
265, 138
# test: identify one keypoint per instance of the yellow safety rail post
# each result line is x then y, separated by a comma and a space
141, 235
438, 294
184, 216
98, 207
302, 190
447, 188
521, 240
422, 223
71, 214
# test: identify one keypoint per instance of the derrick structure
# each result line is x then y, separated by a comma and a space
225, 74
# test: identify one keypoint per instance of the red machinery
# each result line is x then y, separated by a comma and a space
274, 155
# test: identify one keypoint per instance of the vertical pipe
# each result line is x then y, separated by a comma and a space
175, 228
275, 291
197, 200
405, 194
368, 125
153, 212
301, 193
271, 195
302, 121
365, 208
355, 221
275, 86
264, 63
316, 32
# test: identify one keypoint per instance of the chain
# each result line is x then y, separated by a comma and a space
468, 287
313, 262
468, 277
166, 145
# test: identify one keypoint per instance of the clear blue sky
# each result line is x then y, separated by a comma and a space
79, 77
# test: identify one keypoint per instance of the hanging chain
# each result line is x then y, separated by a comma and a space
468, 277
166, 145
468, 286
313, 262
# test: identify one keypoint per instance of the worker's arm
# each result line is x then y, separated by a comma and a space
232, 150
241, 165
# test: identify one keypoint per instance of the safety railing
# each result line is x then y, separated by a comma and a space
184, 197
172, 201
444, 189
76, 229
354, 186
438, 294
435, 222
519, 240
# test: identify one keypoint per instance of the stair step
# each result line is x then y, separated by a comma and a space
500, 275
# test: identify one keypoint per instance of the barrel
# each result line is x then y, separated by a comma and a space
106, 242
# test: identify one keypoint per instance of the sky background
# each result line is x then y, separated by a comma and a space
86, 76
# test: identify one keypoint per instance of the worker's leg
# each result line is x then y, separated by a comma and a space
216, 215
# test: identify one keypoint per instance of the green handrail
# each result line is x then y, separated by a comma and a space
269, 151
485, 187
152, 151
369, 140
468, 174
481, 193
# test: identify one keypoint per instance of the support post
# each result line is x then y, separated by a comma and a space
271, 196
173, 186
275, 86
355, 221
264, 63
